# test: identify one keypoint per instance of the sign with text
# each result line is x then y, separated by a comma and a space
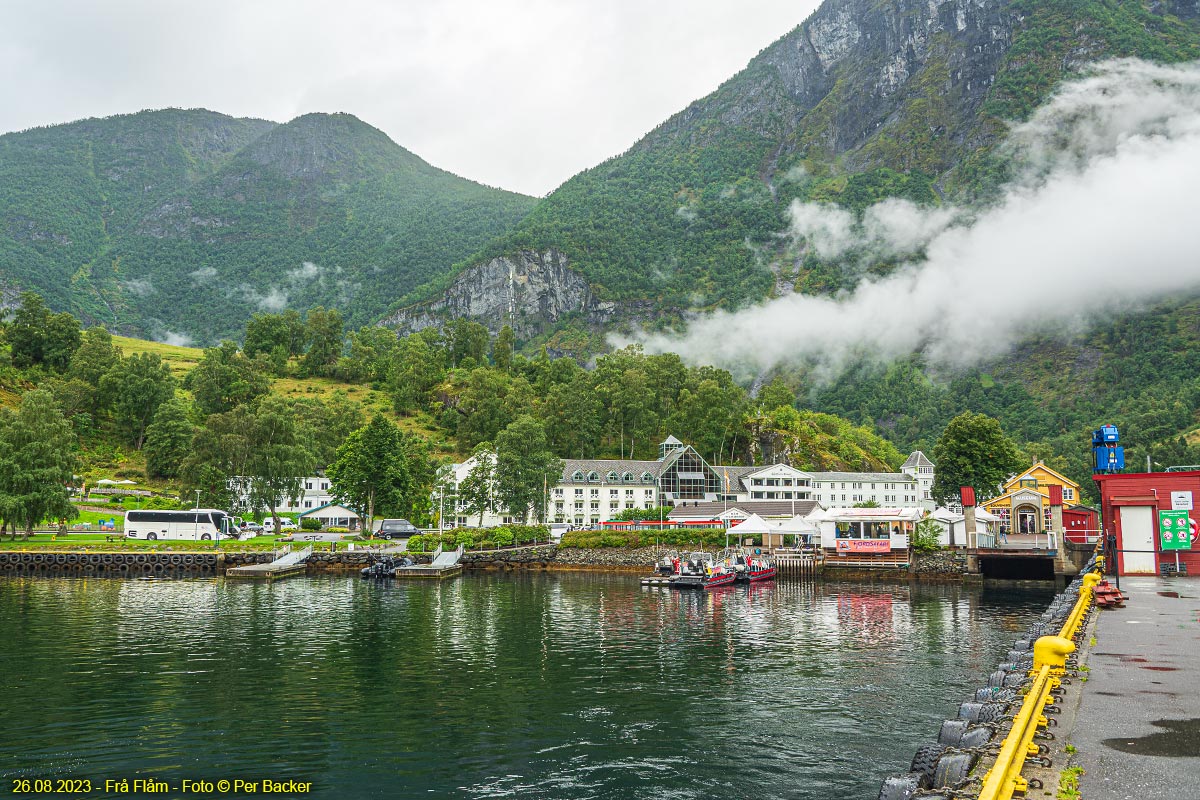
864, 545
1174, 530
1181, 501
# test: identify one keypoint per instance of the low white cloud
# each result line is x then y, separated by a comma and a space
273, 300
141, 287
177, 339
1100, 218
203, 276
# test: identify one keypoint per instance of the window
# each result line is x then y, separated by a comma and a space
627, 477
324, 484
593, 477
595, 506
1068, 493
613, 492
614, 504
649, 493
579, 492
577, 476
578, 505
629, 492
558, 491
757, 482
594, 493
843, 496
308, 484
612, 477
308, 503
647, 477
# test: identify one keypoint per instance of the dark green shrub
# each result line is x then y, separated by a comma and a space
310, 524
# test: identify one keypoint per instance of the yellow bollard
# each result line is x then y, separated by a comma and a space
1052, 651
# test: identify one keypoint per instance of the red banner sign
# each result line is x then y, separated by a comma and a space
864, 545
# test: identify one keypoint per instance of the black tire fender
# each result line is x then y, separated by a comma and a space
900, 787
952, 769
925, 760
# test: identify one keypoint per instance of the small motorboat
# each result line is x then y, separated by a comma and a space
759, 569
385, 567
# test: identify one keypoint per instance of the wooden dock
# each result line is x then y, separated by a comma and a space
287, 565
797, 564
434, 571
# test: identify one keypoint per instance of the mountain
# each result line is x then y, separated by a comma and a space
863, 101
184, 222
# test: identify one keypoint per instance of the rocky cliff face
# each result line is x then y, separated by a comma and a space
530, 291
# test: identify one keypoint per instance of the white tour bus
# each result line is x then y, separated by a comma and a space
196, 523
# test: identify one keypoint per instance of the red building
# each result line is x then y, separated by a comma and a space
1131, 507
1081, 524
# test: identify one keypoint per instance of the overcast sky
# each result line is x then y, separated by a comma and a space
520, 94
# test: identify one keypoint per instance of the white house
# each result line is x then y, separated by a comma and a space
333, 515
593, 491
315, 493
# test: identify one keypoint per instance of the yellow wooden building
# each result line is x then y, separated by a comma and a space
1024, 504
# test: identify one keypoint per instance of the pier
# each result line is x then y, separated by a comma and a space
285, 566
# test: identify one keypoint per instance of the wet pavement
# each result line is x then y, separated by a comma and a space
1137, 727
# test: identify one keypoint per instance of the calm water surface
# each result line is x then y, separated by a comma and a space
538, 686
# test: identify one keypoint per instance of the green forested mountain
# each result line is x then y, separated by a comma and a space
865, 100
188, 221
868, 100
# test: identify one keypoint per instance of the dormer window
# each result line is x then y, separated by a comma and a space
593, 477
612, 477
577, 476
627, 477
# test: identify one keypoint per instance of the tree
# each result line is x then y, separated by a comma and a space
973, 451
224, 379
477, 491
416, 368
326, 334
95, 356
327, 423
37, 336
37, 463
504, 348
775, 394
168, 440
370, 472
133, 390
279, 457
525, 466
467, 339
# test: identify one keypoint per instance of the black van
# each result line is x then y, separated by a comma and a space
397, 529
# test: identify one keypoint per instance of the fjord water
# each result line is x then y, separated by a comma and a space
525, 685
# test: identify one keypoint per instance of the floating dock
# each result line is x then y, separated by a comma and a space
443, 565
287, 565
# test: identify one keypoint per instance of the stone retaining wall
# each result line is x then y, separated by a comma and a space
941, 564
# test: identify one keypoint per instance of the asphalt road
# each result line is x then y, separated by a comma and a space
1137, 727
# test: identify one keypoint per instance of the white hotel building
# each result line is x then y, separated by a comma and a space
597, 490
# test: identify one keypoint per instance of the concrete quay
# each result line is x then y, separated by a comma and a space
1136, 728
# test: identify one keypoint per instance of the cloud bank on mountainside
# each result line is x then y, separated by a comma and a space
1101, 217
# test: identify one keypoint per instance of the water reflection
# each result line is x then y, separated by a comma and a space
555, 686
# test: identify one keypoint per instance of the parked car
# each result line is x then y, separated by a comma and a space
557, 529
397, 529
285, 524
252, 527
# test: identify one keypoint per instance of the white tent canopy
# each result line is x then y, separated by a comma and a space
751, 525
868, 515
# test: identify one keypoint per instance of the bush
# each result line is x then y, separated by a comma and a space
681, 538
337, 530
310, 524
925, 537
